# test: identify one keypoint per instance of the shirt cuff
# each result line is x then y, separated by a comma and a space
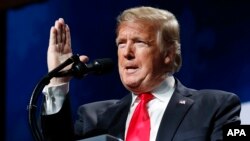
54, 98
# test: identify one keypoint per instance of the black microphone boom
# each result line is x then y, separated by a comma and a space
79, 69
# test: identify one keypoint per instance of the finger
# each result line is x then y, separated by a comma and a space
67, 34
52, 39
58, 26
63, 30
84, 58
63, 34
61, 20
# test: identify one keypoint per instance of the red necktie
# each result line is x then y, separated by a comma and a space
139, 127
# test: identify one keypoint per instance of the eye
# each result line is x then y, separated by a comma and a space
121, 45
141, 43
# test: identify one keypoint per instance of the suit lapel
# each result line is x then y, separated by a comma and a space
174, 114
117, 115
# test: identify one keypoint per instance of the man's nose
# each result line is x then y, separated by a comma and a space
129, 52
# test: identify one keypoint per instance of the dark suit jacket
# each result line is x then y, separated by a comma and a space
191, 115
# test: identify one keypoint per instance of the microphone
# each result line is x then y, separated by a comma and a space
79, 69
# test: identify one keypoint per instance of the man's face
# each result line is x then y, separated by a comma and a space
142, 66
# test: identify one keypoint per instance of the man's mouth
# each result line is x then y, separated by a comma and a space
131, 69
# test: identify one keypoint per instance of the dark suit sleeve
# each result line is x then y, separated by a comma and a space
58, 127
227, 114
89, 115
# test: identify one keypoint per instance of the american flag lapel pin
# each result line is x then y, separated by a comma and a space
182, 101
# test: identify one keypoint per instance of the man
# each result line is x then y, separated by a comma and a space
148, 55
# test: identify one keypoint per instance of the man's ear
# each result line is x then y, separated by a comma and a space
169, 55
167, 59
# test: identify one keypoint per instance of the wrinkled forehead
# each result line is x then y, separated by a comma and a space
137, 25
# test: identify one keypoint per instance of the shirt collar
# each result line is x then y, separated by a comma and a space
163, 92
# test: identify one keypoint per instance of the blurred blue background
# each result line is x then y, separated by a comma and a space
214, 38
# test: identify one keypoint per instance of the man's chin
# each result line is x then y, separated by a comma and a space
135, 88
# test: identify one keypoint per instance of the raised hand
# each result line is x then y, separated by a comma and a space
59, 48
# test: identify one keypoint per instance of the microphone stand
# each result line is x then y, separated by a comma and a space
32, 107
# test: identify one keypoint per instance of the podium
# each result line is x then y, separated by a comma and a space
104, 137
